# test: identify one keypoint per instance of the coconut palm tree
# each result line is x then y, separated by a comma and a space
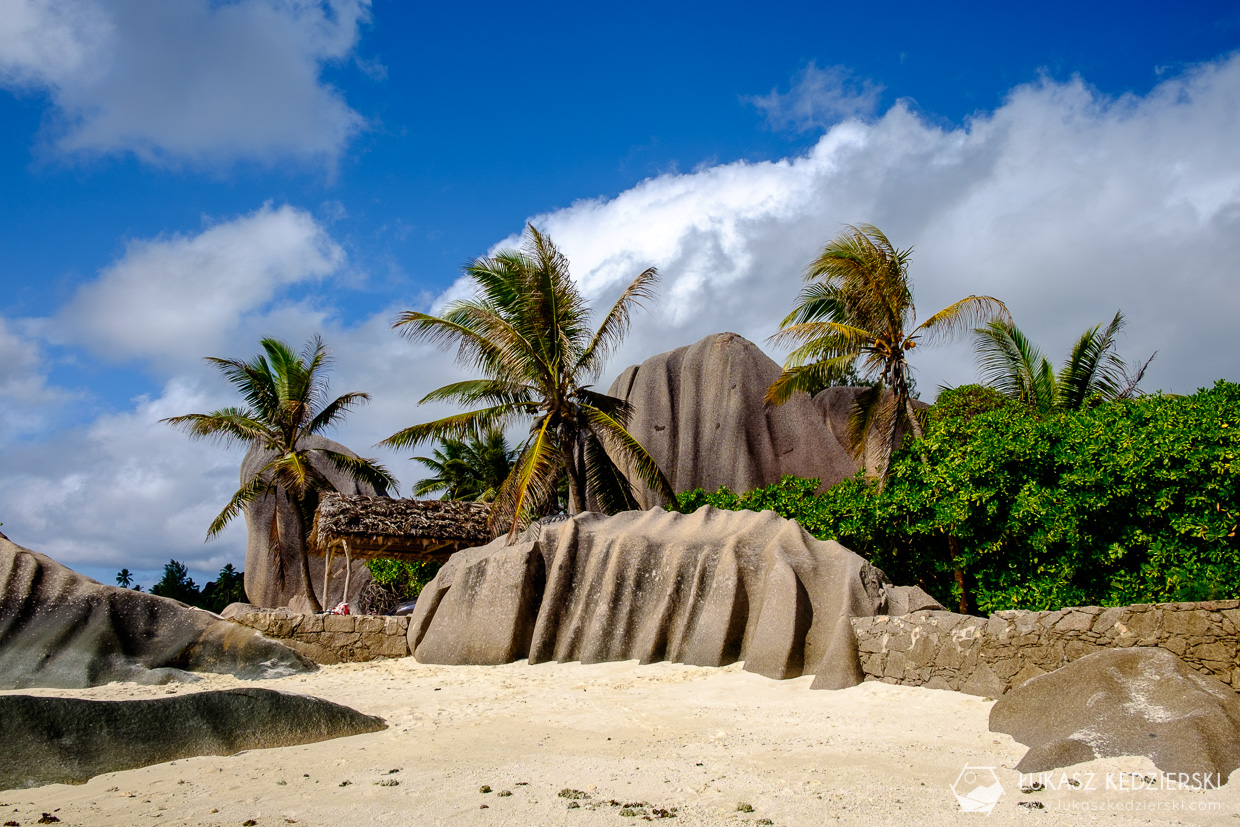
470, 469
285, 395
859, 307
124, 578
527, 332
1012, 364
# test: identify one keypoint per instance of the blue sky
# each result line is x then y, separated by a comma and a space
183, 178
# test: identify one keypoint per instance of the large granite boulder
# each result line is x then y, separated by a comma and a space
708, 589
1138, 701
273, 573
61, 629
71, 740
700, 412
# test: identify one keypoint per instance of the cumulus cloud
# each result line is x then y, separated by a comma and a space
28, 404
819, 98
1064, 203
193, 81
175, 299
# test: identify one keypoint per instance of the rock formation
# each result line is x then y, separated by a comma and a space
1139, 701
273, 576
61, 629
699, 410
708, 589
71, 740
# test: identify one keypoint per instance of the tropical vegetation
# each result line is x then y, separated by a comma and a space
1131, 501
214, 596
527, 332
858, 307
1012, 364
473, 468
286, 401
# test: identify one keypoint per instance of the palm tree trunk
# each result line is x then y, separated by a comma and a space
299, 508
576, 485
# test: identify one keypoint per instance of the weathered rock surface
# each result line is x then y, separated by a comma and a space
699, 411
273, 576
61, 629
988, 656
71, 740
708, 589
327, 638
1140, 701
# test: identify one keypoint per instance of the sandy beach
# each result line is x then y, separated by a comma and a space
624, 743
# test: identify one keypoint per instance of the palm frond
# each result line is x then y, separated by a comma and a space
960, 318
616, 323
531, 483
810, 378
361, 469
227, 425
246, 494
619, 442
457, 426
335, 409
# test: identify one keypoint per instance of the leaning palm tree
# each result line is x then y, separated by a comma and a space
286, 402
1010, 363
527, 332
859, 307
470, 469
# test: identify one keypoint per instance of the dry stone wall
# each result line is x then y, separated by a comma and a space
327, 638
989, 656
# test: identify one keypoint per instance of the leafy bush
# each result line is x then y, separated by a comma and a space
396, 581
998, 507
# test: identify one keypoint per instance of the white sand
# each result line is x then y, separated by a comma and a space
697, 739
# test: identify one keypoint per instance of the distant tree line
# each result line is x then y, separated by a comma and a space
228, 587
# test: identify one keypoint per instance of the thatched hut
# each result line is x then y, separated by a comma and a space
374, 527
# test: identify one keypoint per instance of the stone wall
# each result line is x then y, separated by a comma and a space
328, 638
988, 656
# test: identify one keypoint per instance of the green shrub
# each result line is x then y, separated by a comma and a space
1127, 502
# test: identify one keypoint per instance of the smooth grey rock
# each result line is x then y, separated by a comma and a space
59, 628
1137, 701
273, 577
71, 740
708, 588
699, 411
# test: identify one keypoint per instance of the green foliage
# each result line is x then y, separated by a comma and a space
285, 397
858, 308
402, 579
473, 468
1127, 502
527, 331
177, 584
228, 587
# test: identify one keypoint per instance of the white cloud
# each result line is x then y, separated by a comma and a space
819, 98
1062, 202
175, 299
192, 80
28, 404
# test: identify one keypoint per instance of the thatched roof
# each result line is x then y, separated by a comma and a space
400, 529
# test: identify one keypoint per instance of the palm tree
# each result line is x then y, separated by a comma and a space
469, 469
284, 394
124, 578
527, 332
859, 306
1012, 364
